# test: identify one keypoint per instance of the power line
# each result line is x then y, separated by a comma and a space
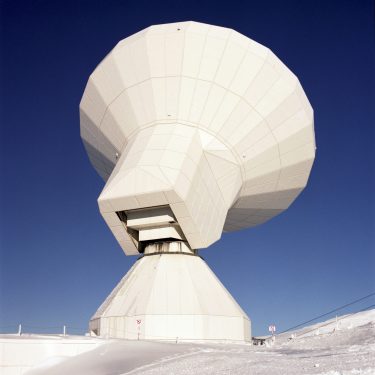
329, 312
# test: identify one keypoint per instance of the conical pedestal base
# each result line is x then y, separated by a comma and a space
171, 296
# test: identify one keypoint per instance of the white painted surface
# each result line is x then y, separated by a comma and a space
212, 127
203, 119
177, 297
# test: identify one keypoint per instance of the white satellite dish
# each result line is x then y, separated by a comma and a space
196, 130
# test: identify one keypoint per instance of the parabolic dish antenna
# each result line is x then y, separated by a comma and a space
196, 130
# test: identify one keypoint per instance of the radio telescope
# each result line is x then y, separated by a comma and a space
196, 130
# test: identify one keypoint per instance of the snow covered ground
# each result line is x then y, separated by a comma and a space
326, 348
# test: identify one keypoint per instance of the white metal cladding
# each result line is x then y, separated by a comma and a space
169, 296
200, 118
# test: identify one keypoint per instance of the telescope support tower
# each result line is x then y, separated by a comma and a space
171, 294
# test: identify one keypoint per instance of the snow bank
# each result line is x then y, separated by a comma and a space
343, 322
344, 351
18, 354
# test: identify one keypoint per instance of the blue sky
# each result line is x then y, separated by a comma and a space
58, 259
